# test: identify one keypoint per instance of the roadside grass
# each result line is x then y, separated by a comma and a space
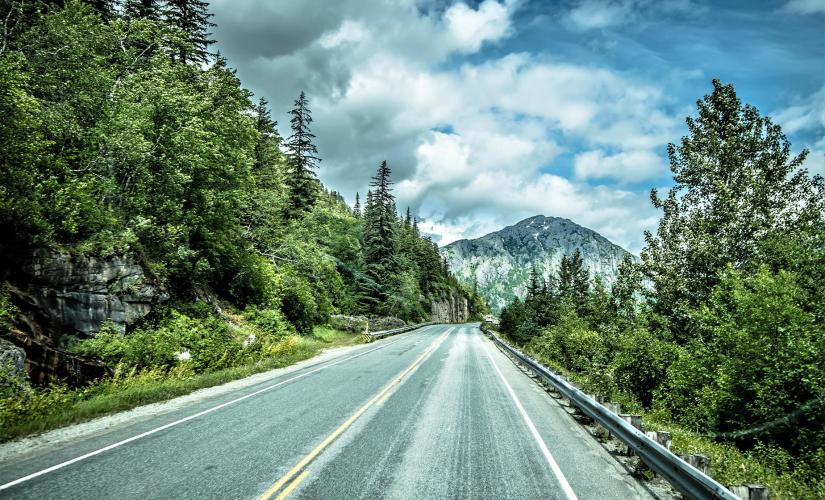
41, 409
787, 477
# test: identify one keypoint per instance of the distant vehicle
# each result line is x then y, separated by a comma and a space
489, 319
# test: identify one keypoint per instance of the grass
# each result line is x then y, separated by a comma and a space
40, 410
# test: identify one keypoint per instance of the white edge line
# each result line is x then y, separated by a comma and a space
568, 491
182, 420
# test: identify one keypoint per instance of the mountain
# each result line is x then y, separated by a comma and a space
501, 261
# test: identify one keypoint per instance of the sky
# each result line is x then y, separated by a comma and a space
493, 111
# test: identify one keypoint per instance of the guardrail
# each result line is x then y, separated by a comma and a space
386, 333
685, 478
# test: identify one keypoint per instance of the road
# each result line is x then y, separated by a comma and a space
435, 413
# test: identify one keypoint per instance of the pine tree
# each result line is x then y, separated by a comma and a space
142, 9
408, 218
193, 18
302, 161
356, 209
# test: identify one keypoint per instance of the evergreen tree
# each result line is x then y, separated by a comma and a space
142, 9
356, 209
533, 284
736, 184
302, 161
408, 218
193, 18
379, 239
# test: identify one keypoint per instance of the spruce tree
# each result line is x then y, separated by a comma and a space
356, 209
379, 238
193, 18
533, 284
302, 162
408, 218
142, 9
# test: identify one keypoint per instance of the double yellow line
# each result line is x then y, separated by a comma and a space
337, 432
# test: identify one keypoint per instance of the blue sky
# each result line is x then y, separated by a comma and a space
493, 111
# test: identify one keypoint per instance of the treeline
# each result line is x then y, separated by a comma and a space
118, 137
720, 327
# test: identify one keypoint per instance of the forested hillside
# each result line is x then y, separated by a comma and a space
720, 329
123, 136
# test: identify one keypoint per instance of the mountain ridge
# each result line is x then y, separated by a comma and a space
501, 261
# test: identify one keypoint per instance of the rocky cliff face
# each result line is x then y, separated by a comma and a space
449, 307
77, 294
502, 261
59, 294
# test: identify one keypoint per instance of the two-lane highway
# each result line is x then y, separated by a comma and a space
435, 413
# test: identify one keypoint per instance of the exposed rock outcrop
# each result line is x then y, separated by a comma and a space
78, 294
450, 307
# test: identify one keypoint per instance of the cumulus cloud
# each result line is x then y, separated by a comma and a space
629, 166
470, 28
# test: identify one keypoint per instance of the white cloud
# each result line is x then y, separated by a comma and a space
599, 14
471, 28
628, 166
805, 6
807, 116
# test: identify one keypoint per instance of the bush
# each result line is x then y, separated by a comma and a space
269, 321
209, 341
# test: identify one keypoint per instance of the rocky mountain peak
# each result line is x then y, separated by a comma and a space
501, 261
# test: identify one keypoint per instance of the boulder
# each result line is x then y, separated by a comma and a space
352, 324
382, 323
12, 358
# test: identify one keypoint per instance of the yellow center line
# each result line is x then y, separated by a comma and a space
337, 432
292, 485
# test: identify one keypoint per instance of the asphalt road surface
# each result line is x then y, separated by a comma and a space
435, 413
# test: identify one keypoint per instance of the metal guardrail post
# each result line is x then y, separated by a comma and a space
685, 478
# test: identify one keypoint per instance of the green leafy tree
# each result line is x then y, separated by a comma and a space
736, 183
625, 290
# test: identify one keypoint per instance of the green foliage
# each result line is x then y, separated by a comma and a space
208, 341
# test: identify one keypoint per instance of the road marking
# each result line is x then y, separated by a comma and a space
351, 420
565, 486
292, 485
185, 419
